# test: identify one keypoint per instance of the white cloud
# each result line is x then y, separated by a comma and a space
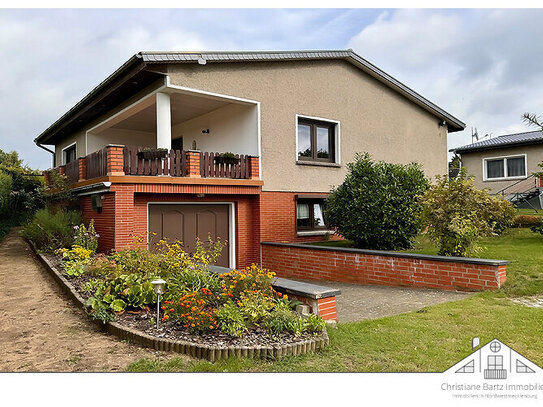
483, 66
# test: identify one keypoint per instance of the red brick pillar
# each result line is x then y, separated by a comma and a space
115, 160
254, 172
82, 169
193, 164
62, 170
46, 177
124, 217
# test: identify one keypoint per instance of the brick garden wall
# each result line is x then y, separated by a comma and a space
278, 218
382, 268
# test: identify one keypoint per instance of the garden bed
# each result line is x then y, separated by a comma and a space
135, 326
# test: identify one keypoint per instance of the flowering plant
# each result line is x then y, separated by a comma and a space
86, 237
193, 310
251, 279
75, 260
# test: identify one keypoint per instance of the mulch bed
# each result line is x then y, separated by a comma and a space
140, 320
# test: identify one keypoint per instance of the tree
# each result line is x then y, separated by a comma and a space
377, 205
20, 191
458, 214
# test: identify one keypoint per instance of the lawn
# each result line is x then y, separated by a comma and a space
429, 340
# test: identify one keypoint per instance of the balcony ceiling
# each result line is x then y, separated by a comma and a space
184, 107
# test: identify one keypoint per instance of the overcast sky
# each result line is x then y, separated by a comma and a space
483, 66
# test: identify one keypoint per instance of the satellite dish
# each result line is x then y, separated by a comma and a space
475, 342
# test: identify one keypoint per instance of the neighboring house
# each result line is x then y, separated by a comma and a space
505, 165
295, 118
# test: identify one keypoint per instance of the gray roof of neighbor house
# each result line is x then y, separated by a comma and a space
507, 140
141, 70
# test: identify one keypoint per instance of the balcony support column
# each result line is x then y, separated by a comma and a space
163, 121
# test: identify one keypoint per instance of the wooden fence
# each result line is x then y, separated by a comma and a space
174, 163
97, 164
209, 167
71, 170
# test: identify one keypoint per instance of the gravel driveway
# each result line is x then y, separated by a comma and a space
41, 330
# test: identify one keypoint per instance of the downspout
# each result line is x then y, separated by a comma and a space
51, 151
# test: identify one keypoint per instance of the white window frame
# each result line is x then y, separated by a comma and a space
504, 158
63, 152
337, 133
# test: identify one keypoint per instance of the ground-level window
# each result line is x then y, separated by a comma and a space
316, 140
69, 154
310, 214
505, 167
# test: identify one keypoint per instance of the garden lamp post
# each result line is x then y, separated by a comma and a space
158, 288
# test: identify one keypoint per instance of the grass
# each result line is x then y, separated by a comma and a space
530, 212
428, 340
521, 246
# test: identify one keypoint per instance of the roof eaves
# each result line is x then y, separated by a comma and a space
117, 73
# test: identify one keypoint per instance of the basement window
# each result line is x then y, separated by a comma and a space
310, 214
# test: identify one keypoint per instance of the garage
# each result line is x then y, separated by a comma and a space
187, 222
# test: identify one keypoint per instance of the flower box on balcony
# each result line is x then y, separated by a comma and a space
153, 153
226, 158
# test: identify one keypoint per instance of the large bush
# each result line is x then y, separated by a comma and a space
20, 191
458, 214
377, 205
52, 228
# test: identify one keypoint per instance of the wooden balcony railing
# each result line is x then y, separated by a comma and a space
129, 160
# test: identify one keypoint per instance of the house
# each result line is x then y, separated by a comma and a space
292, 121
505, 165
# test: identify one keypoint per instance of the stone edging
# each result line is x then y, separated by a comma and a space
211, 353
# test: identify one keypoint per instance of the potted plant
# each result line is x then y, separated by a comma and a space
153, 153
226, 158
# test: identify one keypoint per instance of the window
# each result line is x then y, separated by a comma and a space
316, 140
495, 362
504, 167
310, 214
69, 154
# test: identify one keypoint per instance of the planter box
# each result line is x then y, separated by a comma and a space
153, 154
226, 160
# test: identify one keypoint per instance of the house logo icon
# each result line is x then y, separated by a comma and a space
495, 361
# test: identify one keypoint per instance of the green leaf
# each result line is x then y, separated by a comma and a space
118, 305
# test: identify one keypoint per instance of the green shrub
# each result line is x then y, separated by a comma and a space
526, 221
458, 214
231, 320
254, 306
283, 319
52, 229
314, 324
126, 290
377, 205
537, 228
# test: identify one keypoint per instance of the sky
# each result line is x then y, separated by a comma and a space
483, 66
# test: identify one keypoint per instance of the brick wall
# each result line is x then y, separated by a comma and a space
278, 218
104, 222
382, 268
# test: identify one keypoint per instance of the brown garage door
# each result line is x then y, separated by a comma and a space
187, 222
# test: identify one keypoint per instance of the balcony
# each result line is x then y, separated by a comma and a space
118, 160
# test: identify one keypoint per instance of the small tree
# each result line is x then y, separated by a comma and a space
377, 205
458, 214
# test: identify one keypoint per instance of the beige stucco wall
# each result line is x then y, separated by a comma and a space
473, 162
231, 128
96, 142
78, 138
372, 117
